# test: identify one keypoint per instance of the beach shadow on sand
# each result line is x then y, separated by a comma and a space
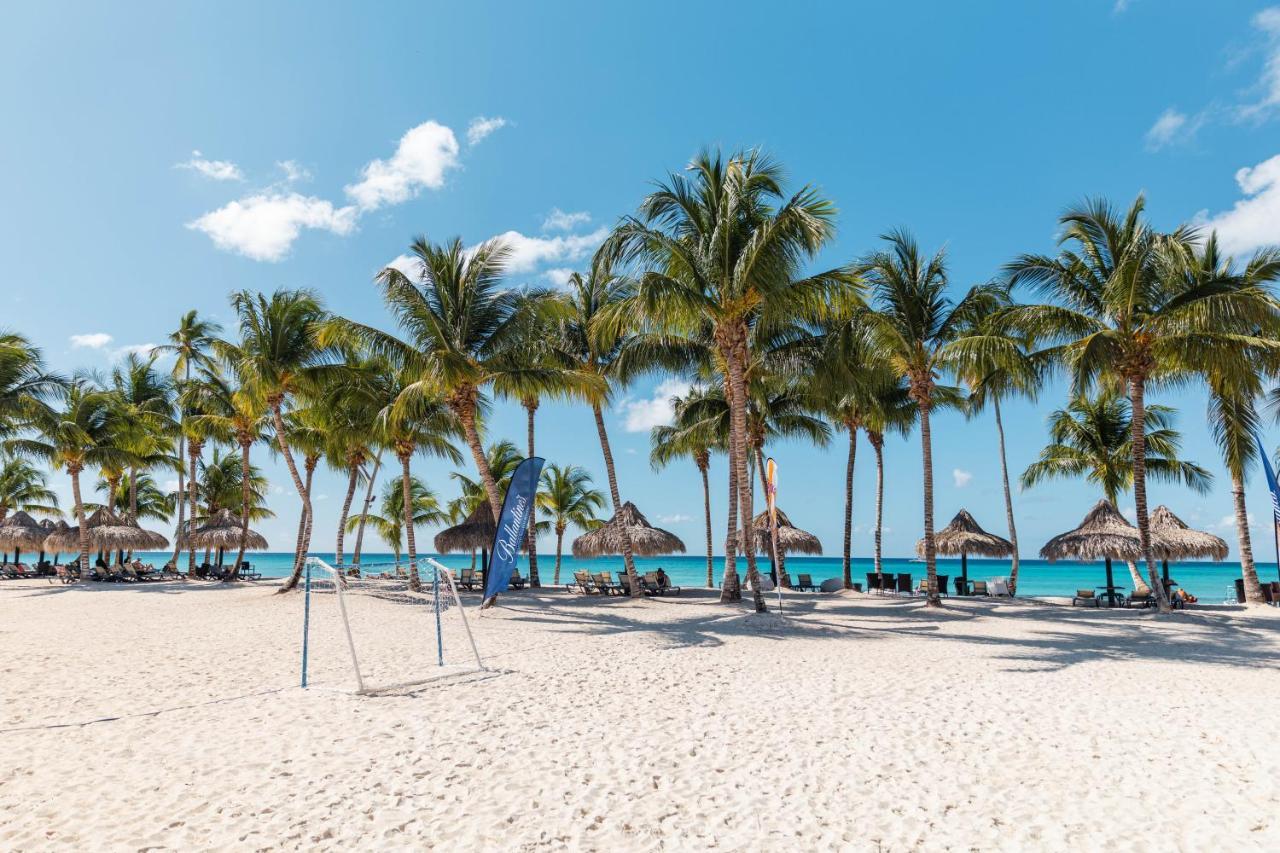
1046, 636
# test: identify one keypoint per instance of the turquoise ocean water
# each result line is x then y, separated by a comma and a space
1208, 581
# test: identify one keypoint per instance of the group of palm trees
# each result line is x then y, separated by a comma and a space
709, 280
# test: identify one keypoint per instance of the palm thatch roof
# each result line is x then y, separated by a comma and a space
1172, 539
646, 540
965, 536
222, 530
1104, 532
791, 539
107, 531
21, 531
471, 535
52, 546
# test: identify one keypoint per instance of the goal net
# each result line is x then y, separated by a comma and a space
380, 631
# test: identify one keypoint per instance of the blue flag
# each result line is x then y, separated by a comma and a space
513, 525
1271, 481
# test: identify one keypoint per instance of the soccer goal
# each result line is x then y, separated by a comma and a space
382, 628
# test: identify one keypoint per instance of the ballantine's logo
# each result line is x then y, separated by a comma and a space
514, 531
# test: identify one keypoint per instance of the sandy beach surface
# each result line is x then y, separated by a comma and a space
168, 716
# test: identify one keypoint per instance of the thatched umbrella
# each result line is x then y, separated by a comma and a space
222, 531
1103, 534
791, 539
56, 546
964, 536
475, 533
1172, 539
107, 532
20, 531
646, 540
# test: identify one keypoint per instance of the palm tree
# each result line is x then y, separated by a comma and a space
308, 429
995, 365
415, 422
25, 487
75, 435
891, 411
912, 326
190, 344
460, 325
718, 249
567, 498
390, 519
144, 416
142, 500
224, 482
233, 415
689, 437
1118, 315
1092, 438
276, 357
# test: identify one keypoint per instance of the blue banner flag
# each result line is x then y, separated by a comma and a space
1271, 481
513, 525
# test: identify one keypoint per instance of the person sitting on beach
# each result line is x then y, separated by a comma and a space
664, 582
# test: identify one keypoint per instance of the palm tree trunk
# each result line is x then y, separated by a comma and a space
627, 559
1008, 500
877, 444
346, 510
245, 498
531, 406
559, 546
415, 583
930, 546
736, 359
304, 524
277, 419
133, 492
848, 506
74, 471
730, 590
193, 450
464, 405
703, 464
1252, 587
182, 454
368, 502
1139, 434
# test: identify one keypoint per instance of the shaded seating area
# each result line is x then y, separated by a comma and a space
627, 524
1103, 534
791, 540
964, 536
221, 533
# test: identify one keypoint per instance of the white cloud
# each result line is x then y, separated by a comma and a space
264, 226
558, 220
1254, 220
422, 158
218, 170
1166, 128
675, 518
135, 349
92, 340
644, 415
293, 171
528, 253
481, 127
559, 276
1268, 21
407, 264
962, 478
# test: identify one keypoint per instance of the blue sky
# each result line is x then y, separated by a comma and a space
160, 155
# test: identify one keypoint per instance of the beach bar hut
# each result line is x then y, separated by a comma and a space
791, 540
222, 531
1172, 539
964, 536
1102, 535
21, 531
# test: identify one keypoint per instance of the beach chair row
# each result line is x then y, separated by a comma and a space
600, 584
473, 581
901, 584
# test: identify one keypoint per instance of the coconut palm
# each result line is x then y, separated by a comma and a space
308, 428
389, 521
1121, 313
276, 357
25, 386
689, 437
25, 487
144, 416
71, 436
190, 345
566, 498
717, 249
142, 500
232, 414
460, 325
996, 365
912, 325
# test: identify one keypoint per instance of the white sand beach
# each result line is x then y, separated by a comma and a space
168, 716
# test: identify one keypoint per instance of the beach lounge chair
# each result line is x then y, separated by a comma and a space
1085, 598
649, 583
979, 588
516, 581
1141, 597
624, 584
581, 583
873, 582
904, 583
1000, 587
247, 573
605, 585
942, 584
804, 583
466, 579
